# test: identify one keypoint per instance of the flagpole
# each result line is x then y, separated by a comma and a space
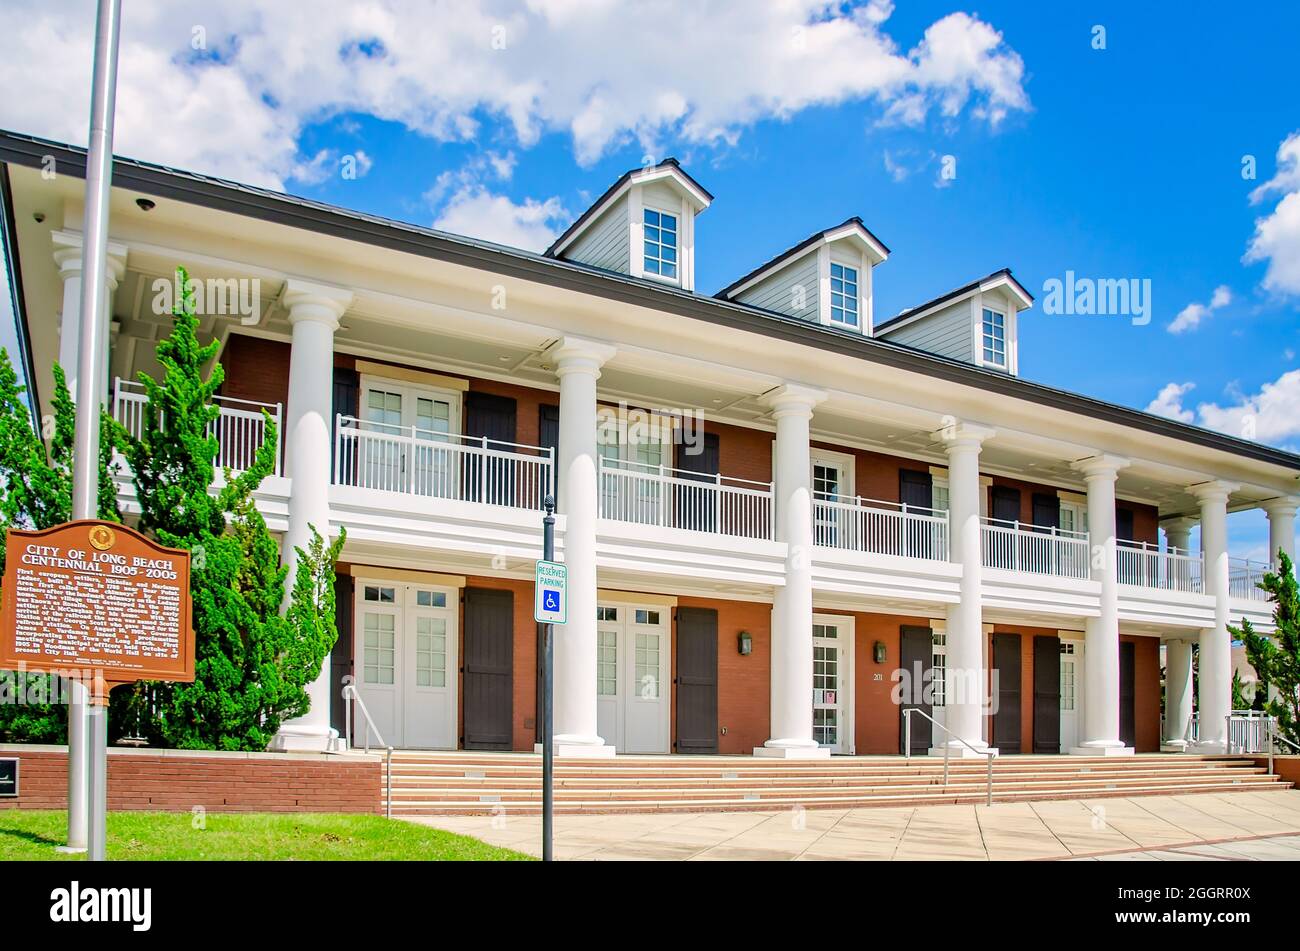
88, 719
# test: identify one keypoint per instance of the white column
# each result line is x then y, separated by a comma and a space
314, 312
1281, 526
966, 683
1101, 634
67, 255
791, 673
1178, 693
1215, 663
1178, 533
577, 363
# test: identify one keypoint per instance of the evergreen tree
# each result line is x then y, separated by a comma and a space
253, 662
1276, 659
37, 493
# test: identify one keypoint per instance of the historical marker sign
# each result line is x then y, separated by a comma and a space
98, 596
8, 778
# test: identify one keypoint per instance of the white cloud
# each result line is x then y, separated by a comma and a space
606, 73
479, 213
1190, 317
1277, 234
1268, 416
1169, 402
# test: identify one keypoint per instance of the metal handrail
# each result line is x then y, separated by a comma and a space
907, 747
350, 694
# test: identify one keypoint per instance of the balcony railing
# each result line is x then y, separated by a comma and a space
1036, 549
1244, 577
239, 429
1144, 565
417, 461
882, 528
674, 498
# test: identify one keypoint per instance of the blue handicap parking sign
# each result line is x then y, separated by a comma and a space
551, 599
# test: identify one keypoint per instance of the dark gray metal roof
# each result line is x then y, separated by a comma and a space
316, 217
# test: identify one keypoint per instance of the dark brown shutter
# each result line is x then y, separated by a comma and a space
490, 420
697, 680
695, 507
1047, 694
489, 668
341, 655
1127, 694
916, 660
1006, 721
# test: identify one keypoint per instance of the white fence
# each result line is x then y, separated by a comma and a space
240, 429
1036, 549
1248, 731
883, 528
674, 498
1244, 577
1146, 566
417, 461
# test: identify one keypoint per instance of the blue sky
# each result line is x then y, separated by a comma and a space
1122, 162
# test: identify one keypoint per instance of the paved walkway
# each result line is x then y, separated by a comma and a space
1240, 826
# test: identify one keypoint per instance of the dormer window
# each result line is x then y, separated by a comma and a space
844, 295
995, 338
660, 244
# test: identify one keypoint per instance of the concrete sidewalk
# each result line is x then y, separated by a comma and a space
1193, 827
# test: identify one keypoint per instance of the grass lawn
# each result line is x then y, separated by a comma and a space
169, 835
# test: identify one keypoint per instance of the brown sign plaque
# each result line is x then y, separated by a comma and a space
96, 596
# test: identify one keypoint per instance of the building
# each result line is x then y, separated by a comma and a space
771, 500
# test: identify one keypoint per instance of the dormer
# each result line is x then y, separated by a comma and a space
644, 225
824, 279
975, 323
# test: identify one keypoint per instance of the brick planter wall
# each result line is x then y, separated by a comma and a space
177, 781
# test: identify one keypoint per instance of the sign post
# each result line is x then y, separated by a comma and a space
99, 605
550, 607
92, 368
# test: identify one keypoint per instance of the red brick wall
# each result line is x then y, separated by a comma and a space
261, 782
256, 369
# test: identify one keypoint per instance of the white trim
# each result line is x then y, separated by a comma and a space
823, 284
993, 308
453, 398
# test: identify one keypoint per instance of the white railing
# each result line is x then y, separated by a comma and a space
1146, 566
674, 498
1244, 577
240, 429
1248, 731
1037, 549
417, 461
882, 528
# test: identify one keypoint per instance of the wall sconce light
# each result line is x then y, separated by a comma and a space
878, 652
744, 643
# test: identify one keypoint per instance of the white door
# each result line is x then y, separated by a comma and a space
429, 718
939, 682
1071, 693
645, 723
406, 664
609, 699
832, 646
378, 626
632, 675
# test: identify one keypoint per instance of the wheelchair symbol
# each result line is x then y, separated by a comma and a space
550, 600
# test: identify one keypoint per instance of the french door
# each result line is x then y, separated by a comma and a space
406, 663
832, 683
831, 483
411, 429
1071, 693
633, 659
